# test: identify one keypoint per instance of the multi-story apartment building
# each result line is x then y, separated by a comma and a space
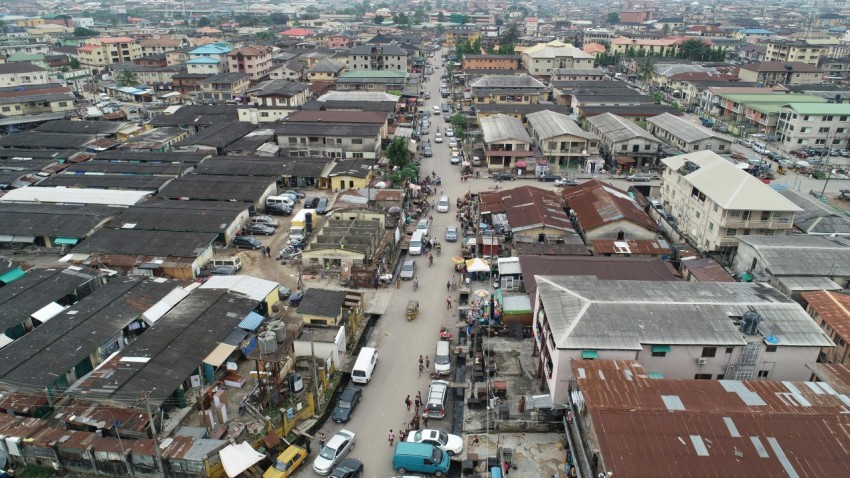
377, 57
254, 61
507, 89
224, 87
457, 35
561, 140
770, 73
621, 138
685, 135
506, 142
333, 134
208, 59
596, 35
31, 100
814, 124
835, 69
104, 51
831, 312
17, 74
491, 62
714, 202
543, 58
163, 44
799, 51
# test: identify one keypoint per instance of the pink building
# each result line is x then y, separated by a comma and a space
339, 41
255, 61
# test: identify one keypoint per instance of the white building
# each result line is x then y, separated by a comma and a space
19, 74
677, 330
560, 139
714, 202
685, 135
542, 58
821, 125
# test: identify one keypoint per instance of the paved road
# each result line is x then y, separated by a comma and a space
400, 342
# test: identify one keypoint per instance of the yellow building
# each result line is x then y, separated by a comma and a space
457, 35
352, 173
109, 50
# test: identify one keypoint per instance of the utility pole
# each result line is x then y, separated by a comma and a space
313, 368
153, 434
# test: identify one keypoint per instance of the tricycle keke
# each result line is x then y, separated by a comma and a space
412, 309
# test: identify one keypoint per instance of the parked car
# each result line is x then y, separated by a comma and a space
760, 149
438, 138
287, 462
566, 182
799, 153
334, 451
786, 164
424, 131
451, 444
443, 204
548, 177
450, 132
427, 96
265, 220
408, 270
446, 108
279, 209
452, 143
451, 234
745, 142
476, 161
348, 399
423, 225
773, 156
283, 292
503, 177
349, 468
638, 178
259, 229
322, 207
295, 298
297, 193
455, 158
427, 152
246, 242
218, 271
311, 203
447, 117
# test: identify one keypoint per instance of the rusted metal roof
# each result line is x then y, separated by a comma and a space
833, 308
707, 270
711, 428
597, 204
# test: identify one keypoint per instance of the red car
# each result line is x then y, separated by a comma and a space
799, 153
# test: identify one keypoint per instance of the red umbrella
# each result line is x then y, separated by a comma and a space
521, 164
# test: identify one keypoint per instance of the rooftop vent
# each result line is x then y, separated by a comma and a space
750, 323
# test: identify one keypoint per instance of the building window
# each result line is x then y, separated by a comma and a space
702, 376
768, 232
710, 226
659, 354
731, 232
746, 232
697, 214
709, 352
357, 141
716, 207
763, 373
729, 350
770, 348
765, 215
734, 213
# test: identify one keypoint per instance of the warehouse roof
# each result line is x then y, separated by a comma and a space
802, 255
548, 124
52, 220
75, 196
616, 128
217, 188
106, 181
501, 127
134, 242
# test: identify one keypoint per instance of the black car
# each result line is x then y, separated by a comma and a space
278, 209
246, 242
548, 177
260, 229
322, 207
295, 298
218, 271
349, 399
311, 203
349, 468
427, 152
503, 177
773, 156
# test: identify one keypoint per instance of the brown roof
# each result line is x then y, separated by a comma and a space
707, 270
709, 428
528, 207
643, 247
596, 204
249, 51
833, 308
796, 66
601, 267
163, 42
338, 116
8, 68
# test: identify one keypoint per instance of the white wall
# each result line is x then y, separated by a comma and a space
323, 350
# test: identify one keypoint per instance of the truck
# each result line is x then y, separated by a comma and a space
299, 227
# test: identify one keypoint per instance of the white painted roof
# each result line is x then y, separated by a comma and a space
107, 197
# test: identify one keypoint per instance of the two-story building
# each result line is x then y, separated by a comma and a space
543, 58
273, 100
507, 144
676, 330
770, 73
371, 80
831, 312
387, 57
577, 74
813, 124
253, 60
561, 140
714, 202
333, 134
686, 136
17, 74
507, 89
490, 62
224, 86
624, 143
31, 100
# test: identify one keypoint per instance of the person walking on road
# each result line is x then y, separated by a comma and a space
425, 421
427, 363
448, 286
407, 402
391, 437
449, 302
321, 440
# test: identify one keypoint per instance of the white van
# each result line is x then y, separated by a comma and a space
442, 358
417, 243
232, 261
365, 365
280, 200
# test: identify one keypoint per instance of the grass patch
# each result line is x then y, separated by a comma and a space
33, 471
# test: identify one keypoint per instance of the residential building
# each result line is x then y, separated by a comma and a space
253, 60
388, 57
831, 312
279, 93
577, 74
623, 143
327, 70
333, 134
602, 212
770, 73
676, 329
760, 420
163, 44
561, 140
155, 77
813, 124
794, 263
188, 83
596, 35
741, 107
506, 142
371, 80
156, 60
667, 46
460, 34
528, 212
224, 87
32, 100
338, 41
507, 89
716, 202
491, 62
835, 69
635, 16
794, 51
102, 51
209, 59
686, 136
17, 74
543, 58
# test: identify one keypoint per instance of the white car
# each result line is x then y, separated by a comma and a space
423, 225
455, 159
451, 444
450, 132
443, 204
334, 451
438, 138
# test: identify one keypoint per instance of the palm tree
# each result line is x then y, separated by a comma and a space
127, 78
647, 71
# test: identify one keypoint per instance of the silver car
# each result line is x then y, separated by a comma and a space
451, 234
408, 270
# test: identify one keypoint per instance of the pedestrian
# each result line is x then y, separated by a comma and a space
421, 360
506, 467
418, 402
398, 282
428, 362
448, 286
391, 437
321, 440
377, 280
466, 281
307, 447
425, 420
407, 402
449, 302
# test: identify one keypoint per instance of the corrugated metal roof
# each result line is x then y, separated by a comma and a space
548, 124
681, 128
501, 127
251, 321
617, 129
802, 255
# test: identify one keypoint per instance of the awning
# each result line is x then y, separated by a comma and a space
5, 340
219, 355
237, 458
589, 354
660, 348
251, 321
47, 312
657, 375
25, 239
477, 265
12, 275
65, 241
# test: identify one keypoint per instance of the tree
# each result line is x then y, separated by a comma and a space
409, 172
397, 152
647, 71
204, 22
613, 17
510, 36
459, 123
127, 78
441, 17
84, 32
278, 18
665, 29
267, 35
75, 63
378, 19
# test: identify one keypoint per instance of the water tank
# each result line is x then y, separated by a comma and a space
750, 322
308, 223
267, 342
279, 329
296, 382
